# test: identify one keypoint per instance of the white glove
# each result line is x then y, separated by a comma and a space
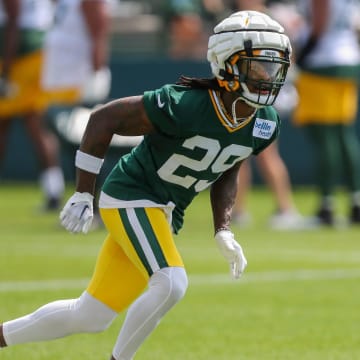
78, 213
97, 86
232, 252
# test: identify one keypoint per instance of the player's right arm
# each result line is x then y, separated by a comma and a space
124, 116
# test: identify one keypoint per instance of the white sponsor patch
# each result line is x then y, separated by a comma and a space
263, 128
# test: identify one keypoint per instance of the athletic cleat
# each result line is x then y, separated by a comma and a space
355, 215
50, 205
325, 217
287, 220
242, 219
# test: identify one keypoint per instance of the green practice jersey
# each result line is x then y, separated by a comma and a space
195, 142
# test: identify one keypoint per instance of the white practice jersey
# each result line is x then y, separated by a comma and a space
339, 44
34, 14
68, 60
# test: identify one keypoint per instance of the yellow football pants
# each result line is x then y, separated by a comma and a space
28, 95
139, 243
325, 100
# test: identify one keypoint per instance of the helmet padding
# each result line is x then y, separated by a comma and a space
244, 31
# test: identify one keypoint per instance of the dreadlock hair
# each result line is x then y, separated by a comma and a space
199, 83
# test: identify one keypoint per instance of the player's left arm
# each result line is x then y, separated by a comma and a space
222, 194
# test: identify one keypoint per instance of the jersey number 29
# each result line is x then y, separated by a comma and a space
215, 159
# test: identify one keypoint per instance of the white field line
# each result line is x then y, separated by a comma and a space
199, 279
277, 276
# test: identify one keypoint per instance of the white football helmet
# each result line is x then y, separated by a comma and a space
249, 54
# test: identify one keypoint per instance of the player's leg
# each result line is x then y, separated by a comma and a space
166, 287
351, 149
274, 171
58, 319
327, 154
276, 175
115, 284
115, 281
146, 237
33, 102
47, 148
4, 134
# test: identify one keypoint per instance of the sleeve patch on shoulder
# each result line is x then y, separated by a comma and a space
263, 129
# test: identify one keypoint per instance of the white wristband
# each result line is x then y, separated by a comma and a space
88, 162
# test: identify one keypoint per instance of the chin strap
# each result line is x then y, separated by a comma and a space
233, 110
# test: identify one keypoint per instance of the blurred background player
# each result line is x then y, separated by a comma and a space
23, 25
329, 56
185, 29
144, 198
76, 53
75, 70
270, 164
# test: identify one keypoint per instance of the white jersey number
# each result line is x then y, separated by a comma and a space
215, 159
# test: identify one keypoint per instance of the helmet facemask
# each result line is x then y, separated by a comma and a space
249, 54
258, 78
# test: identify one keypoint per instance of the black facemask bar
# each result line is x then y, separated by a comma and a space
257, 78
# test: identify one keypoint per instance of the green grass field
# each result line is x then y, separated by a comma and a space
298, 299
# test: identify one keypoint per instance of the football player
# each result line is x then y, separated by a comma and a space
196, 134
23, 27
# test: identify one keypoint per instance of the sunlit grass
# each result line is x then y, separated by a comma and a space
298, 299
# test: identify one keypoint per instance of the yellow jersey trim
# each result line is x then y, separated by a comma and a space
227, 121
